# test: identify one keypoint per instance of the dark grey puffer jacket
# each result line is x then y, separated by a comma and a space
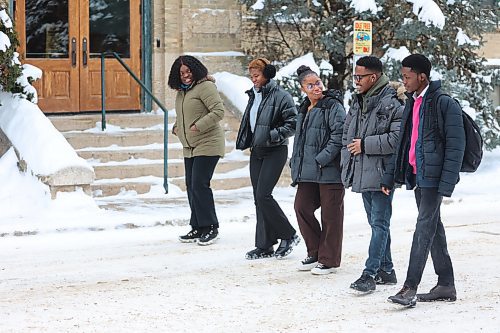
318, 140
379, 129
276, 118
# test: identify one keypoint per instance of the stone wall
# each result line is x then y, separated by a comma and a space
4, 143
197, 27
491, 48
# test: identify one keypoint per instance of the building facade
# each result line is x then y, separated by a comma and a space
66, 39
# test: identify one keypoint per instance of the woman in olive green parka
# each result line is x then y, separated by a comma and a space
199, 109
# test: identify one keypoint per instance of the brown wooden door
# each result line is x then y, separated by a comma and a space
65, 38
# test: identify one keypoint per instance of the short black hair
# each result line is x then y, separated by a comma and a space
418, 63
198, 70
371, 62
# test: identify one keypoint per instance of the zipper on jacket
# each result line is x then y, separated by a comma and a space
184, 120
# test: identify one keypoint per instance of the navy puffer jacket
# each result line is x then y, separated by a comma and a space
439, 149
318, 140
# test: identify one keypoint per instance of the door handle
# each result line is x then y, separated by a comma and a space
84, 49
73, 52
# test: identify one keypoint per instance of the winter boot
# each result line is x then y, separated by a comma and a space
439, 293
406, 297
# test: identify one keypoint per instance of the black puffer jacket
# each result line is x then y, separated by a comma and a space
439, 149
275, 119
318, 140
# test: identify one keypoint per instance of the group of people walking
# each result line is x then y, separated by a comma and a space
379, 144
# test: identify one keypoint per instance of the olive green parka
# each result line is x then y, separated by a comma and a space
202, 106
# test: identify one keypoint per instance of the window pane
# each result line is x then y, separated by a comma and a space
109, 27
47, 29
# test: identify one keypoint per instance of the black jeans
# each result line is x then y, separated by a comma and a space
199, 172
266, 165
429, 235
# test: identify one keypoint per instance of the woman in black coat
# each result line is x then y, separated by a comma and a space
268, 121
315, 167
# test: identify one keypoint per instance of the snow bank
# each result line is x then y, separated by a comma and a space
39, 143
233, 87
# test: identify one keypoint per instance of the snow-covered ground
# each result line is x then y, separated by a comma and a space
85, 269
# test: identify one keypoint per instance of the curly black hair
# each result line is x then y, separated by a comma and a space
198, 70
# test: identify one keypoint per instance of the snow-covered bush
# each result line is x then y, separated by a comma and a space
14, 78
449, 32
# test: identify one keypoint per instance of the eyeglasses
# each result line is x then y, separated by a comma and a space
311, 86
359, 77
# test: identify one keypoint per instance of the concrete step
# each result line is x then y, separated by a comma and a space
119, 155
175, 169
128, 138
113, 188
125, 120
220, 183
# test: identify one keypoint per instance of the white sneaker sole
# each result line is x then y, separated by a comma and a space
327, 271
307, 267
208, 242
188, 240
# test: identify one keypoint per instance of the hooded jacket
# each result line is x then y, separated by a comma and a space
375, 119
439, 150
318, 140
275, 122
202, 106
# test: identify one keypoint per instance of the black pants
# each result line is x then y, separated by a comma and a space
199, 172
429, 235
322, 240
266, 165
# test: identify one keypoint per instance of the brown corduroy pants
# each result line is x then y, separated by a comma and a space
325, 240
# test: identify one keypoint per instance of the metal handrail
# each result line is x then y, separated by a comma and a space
164, 109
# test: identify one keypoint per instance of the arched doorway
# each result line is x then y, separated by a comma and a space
65, 38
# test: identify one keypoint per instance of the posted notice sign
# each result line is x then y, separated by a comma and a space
362, 38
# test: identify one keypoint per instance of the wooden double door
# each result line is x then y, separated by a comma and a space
65, 38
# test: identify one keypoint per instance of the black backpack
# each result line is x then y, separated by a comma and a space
473, 140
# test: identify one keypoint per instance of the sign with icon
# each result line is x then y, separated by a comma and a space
362, 43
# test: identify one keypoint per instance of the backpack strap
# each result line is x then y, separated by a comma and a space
436, 114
